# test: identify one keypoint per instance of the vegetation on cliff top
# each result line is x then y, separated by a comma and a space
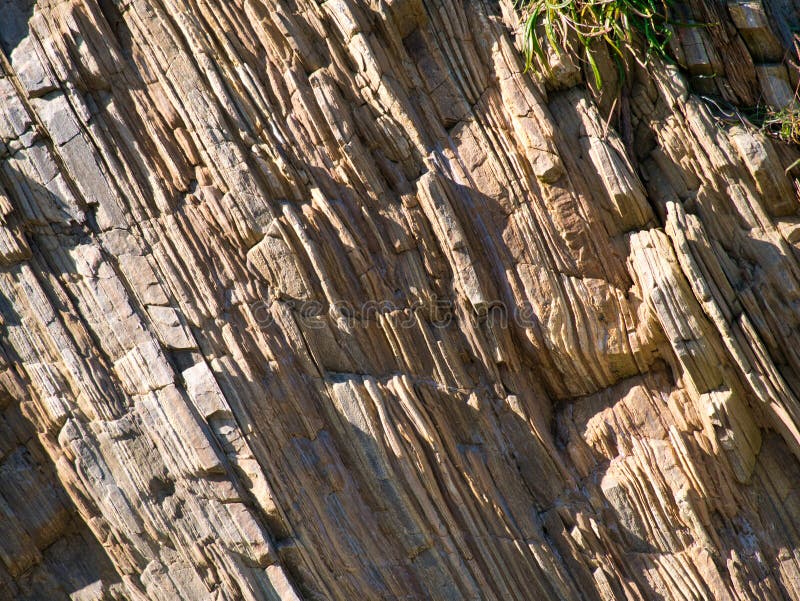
585, 25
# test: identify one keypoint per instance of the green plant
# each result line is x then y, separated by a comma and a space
783, 124
614, 23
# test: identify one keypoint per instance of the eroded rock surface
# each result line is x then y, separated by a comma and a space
331, 300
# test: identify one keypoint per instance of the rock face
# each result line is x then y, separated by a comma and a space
331, 300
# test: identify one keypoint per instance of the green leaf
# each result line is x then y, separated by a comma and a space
613, 23
598, 79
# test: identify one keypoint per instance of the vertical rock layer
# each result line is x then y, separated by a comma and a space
331, 300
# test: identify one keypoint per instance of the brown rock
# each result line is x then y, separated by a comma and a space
334, 300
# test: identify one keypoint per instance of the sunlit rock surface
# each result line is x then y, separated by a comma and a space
331, 300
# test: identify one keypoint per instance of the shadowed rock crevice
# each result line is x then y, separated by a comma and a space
14, 27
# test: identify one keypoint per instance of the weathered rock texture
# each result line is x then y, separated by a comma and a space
198, 197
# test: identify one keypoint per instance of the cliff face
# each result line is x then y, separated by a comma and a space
330, 300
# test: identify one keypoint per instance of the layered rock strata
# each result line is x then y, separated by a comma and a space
332, 300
